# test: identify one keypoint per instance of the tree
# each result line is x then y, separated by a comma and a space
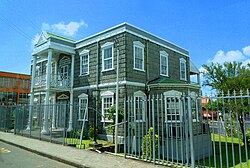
226, 77
111, 116
230, 77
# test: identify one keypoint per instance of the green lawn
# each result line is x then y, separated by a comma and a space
227, 148
86, 143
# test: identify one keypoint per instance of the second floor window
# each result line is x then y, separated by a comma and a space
163, 63
84, 62
183, 69
107, 56
138, 56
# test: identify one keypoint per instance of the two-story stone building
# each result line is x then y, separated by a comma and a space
84, 72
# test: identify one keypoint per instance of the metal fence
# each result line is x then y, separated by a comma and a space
189, 130
164, 129
55, 129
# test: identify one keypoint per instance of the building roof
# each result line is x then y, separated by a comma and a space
165, 80
14, 75
59, 37
126, 27
193, 68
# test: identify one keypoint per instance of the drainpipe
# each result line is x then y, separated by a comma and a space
97, 93
117, 101
147, 71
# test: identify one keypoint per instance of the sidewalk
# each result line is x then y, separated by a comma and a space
71, 155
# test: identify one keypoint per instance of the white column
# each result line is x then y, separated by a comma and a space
71, 93
32, 91
45, 129
54, 113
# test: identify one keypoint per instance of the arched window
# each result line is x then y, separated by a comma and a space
139, 106
107, 102
163, 63
183, 69
84, 62
138, 55
107, 56
173, 113
173, 106
83, 107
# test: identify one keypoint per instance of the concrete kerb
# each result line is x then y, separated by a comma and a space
75, 161
47, 155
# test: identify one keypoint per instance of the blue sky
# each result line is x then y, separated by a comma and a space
212, 31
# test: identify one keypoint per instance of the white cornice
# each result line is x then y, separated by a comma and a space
55, 46
175, 85
125, 27
103, 85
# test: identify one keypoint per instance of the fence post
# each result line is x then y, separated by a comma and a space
190, 120
125, 129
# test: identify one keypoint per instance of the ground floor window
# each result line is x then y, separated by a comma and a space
83, 107
107, 102
139, 106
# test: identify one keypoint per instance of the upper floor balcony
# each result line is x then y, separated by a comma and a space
56, 82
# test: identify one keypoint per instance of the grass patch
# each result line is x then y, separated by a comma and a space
226, 147
86, 143
223, 139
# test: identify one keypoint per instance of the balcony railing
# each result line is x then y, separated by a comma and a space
56, 81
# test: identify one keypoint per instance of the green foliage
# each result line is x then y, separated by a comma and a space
147, 144
87, 134
111, 114
91, 133
229, 76
74, 134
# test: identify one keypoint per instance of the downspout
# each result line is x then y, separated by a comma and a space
147, 88
97, 92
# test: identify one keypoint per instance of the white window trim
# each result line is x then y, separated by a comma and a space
141, 46
106, 46
163, 54
84, 53
82, 97
141, 95
183, 61
107, 94
173, 94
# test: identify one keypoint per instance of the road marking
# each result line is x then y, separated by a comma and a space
3, 150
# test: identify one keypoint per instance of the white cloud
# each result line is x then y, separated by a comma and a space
69, 29
246, 50
221, 56
246, 62
229, 56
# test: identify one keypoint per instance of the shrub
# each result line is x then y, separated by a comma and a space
147, 144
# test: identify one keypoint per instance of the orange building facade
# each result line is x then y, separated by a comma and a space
14, 88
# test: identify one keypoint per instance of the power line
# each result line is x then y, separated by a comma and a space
16, 28
20, 13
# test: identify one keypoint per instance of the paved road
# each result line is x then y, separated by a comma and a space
13, 157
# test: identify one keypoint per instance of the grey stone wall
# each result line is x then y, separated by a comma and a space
152, 61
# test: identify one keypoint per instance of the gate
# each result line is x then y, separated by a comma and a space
185, 130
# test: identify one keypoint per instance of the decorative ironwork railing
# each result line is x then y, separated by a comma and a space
56, 81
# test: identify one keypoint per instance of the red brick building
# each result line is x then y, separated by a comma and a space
14, 88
